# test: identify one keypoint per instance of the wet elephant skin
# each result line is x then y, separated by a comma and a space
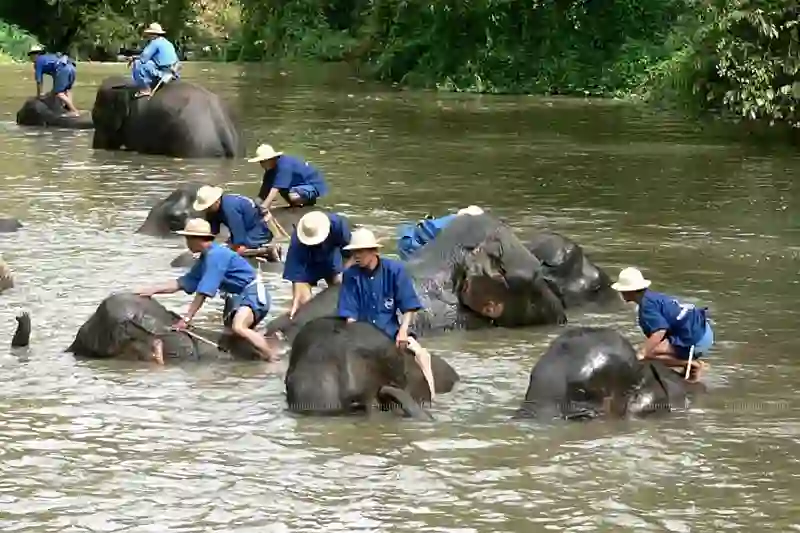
337, 367
124, 326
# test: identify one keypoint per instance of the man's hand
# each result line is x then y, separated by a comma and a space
180, 325
147, 293
402, 339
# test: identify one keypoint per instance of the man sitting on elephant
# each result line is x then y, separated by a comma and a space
412, 237
315, 253
62, 69
675, 331
375, 289
298, 182
238, 213
158, 59
219, 268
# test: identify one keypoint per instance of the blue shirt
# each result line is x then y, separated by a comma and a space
412, 237
291, 172
685, 324
377, 296
309, 264
219, 268
160, 51
48, 64
244, 220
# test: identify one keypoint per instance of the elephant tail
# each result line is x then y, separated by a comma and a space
404, 400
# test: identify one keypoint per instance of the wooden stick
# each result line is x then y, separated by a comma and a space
689, 364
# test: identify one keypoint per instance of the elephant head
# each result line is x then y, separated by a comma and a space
171, 213
502, 280
112, 107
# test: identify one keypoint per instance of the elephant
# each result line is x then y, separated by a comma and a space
574, 278
337, 367
125, 325
49, 111
6, 278
475, 274
589, 372
9, 225
179, 120
22, 335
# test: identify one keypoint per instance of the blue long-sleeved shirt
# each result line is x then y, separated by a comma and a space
161, 52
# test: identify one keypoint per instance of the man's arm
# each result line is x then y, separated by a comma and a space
651, 343
407, 302
347, 306
654, 321
164, 288
148, 52
235, 222
38, 75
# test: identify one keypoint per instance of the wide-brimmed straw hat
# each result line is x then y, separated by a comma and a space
264, 152
206, 195
196, 227
630, 280
36, 49
313, 228
155, 28
473, 210
362, 239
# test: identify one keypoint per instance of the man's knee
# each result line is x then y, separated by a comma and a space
242, 320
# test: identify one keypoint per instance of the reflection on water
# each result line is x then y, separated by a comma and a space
106, 446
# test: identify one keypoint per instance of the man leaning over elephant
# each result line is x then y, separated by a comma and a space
375, 289
219, 269
238, 213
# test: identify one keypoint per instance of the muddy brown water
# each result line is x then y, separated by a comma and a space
104, 446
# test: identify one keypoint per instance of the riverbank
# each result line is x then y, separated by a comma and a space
715, 58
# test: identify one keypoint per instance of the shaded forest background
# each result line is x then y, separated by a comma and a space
738, 58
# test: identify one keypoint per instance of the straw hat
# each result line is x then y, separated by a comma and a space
36, 49
264, 152
313, 228
196, 227
362, 239
155, 28
473, 210
630, 279
206, 195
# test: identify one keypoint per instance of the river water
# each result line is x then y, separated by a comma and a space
103, 446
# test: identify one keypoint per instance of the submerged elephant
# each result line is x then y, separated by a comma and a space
126, 325
588, 372
6, 278
9, 225
180, 120
339, 368
49, 111
475, 274
571, 274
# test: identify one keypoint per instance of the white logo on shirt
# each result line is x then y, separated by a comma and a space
685, 308
388, 303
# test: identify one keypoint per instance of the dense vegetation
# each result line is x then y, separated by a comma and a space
737, 57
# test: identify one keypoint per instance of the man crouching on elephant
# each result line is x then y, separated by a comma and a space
374, 290
238, 213
220, 268
316, 252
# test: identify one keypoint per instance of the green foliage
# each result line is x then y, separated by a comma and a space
15, 42
312, 29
